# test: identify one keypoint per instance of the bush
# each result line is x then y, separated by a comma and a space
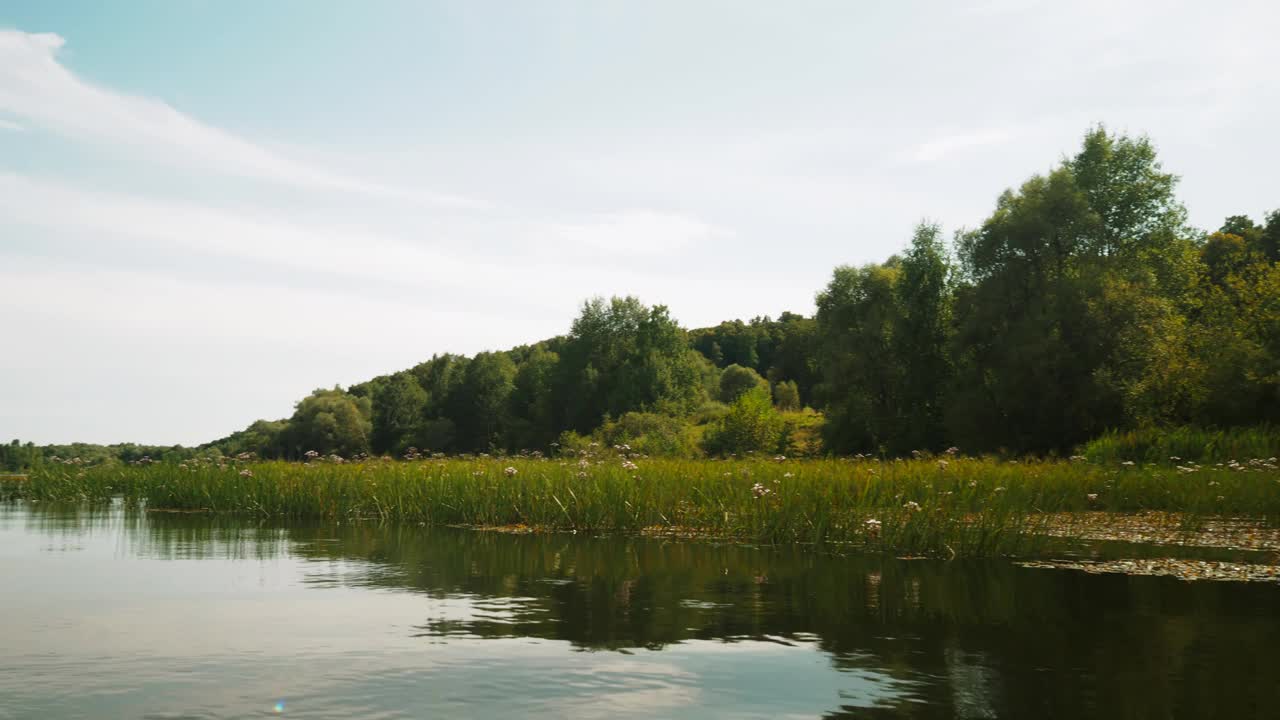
801, 434
1188, 444
751, 425
736, 380
786, 395
650, 434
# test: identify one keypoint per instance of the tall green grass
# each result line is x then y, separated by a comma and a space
960, 506
1185, 444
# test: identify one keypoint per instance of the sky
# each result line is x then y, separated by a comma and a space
209, 209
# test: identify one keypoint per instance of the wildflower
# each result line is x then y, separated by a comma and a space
912, 505
1092, 496
311, 455
628, 465
873, 527
582, 475
1174, 458
246, 473
951, 451
780, 458
759, 490
942, 464
999, 489
509, 472
1127, 463
786, 474
1221, 498
916, 454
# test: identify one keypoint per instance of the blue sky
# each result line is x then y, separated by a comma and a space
208, 209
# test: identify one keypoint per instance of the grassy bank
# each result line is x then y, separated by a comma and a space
944, 505
1182, 445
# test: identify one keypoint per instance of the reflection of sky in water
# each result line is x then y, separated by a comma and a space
104, 616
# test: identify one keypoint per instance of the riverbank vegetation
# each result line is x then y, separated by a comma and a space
1085, 308
944, 505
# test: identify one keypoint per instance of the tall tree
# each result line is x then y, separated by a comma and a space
330, 421
857, 313
920, 339
399, 409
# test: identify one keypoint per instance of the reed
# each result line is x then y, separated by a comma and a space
1181, 445
930, 505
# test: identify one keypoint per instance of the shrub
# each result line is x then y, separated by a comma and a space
1188, 444
650, 434
751, 425
736, 380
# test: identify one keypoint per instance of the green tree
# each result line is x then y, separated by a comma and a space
786, 396
736, 380
330, 421
857, 313
751, 425
480, 406
920, 340
622, 356
533, 412
399, 409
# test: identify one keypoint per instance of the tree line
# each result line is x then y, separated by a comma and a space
1084, 303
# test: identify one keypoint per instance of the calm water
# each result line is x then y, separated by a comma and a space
110, 614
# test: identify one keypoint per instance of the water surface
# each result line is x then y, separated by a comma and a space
111, 613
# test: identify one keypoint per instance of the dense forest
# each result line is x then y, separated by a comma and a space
1084, 303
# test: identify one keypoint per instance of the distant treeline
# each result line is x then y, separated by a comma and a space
1083, 304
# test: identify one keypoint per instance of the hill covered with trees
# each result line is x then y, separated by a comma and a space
1084, 303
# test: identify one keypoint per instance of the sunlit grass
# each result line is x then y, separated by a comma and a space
1183, 445
946, 506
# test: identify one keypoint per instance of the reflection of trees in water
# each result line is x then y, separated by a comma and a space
987, 638
982, 639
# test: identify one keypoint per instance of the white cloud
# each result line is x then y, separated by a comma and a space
36, 87
10, 125
461, 255
115, 217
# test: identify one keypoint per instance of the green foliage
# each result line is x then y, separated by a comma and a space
751, 425
533, 412
15, 456
330, 421
801, 433
480, 406
857, 313
958, 507
623, 356
1046, 343
786, 396
1184, 445
920, 341
399, 408
736, 380
651, 434
781, 349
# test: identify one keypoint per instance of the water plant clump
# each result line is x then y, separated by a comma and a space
954, 506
